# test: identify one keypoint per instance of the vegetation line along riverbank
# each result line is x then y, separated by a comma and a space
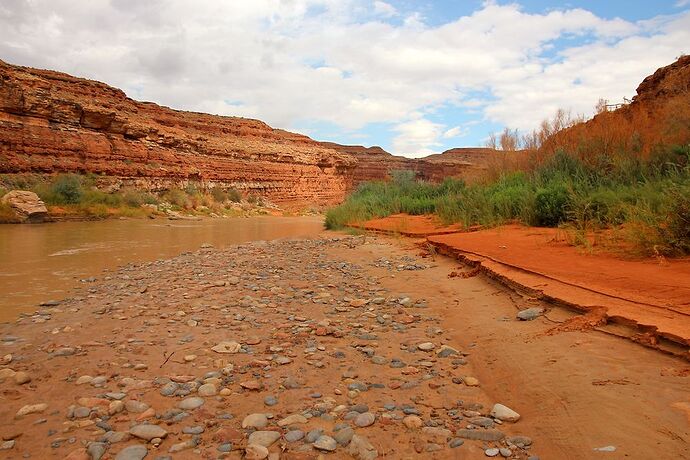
79, 196
640, 205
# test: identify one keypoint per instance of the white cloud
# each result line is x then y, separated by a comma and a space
682, 3
457, 131
292, 63
417, 137
385, 9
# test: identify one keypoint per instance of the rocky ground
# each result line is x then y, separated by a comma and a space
284, 349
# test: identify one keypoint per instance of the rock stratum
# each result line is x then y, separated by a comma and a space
657, 116
51, 122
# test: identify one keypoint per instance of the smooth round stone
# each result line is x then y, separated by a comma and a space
207, 389
505, 452
365, 419
21, 377
326, 443
426, 346
137, 452
191, 403
313, 435
148, 432
493, 452
225, 447
263, 438
135, 406
294, 435
255, 421
457, 442
193, 429
169, 389
270, 400
96, 450
344, 436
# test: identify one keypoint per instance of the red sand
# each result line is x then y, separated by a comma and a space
414, 226
650, 294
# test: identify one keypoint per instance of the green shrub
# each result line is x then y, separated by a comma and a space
65, 189
234, 195
177, 197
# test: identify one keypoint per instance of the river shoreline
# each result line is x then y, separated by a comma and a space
351, 345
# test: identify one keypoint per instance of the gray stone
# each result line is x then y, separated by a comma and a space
207, 389
529, 314
313, 435
505, 452
326, 443
270, 400
344, 436
294, 435
193, 429
456, 442
492, 452
519, 441
96, 450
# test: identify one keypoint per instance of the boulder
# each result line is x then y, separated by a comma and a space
26, 205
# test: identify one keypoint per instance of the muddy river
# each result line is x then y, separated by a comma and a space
45, 261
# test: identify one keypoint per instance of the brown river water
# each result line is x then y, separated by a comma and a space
43, 262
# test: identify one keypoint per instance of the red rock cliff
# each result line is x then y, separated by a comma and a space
659, 115
52, 122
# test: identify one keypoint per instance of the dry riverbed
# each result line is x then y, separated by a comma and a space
341, 347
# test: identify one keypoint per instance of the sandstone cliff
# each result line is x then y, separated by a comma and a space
659, 115
52, 122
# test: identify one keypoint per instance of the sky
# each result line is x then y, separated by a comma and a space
414, 77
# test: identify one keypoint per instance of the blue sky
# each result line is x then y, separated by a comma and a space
415, 77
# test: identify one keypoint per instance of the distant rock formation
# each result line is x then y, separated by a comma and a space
374, 163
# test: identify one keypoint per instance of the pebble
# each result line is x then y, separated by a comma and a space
190, 403
255, 421
426, 346
470, 381
344, 436
207, 389
326, 443
492, 452
20, 378
529, 314
504, 413
31, 409
294, 435
263, 438
412, 422
148, 432
365, 419
294, 419
270, 401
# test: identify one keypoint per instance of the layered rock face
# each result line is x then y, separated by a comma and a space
52, 122
659, 115
374, 163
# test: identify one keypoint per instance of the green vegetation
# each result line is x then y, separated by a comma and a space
78, 195
644, 204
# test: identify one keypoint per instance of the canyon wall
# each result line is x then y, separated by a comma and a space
657, 117
52, 122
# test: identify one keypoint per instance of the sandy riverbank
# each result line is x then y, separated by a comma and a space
337, 347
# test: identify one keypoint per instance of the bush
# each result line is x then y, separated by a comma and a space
177, 197
551, 205
65, 189
234, 195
